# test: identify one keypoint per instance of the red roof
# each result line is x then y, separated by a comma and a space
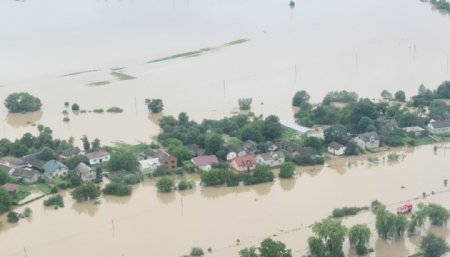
244, 161
205, 160
96, 154
9, 187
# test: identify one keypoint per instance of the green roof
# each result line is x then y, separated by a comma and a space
52, 166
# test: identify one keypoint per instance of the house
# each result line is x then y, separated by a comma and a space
244, 163
336, 149
98, 157
69, 153
11, 161
205, 162
250, 147
440, 127
164, 158
272, 147
32, 161
367, 141
25, 175
271, 159
54, 168
294, 126
289, 146
306, 152
10, 188
85, 172
417, 131
149, 165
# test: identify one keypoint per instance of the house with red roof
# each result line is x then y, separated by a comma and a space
205, 162
98, 157
244, 163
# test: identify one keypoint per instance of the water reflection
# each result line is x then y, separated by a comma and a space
166, 198
23, 119
117, 199
89, 207
287, 184
392, 248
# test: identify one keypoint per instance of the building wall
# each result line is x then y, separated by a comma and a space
99, 160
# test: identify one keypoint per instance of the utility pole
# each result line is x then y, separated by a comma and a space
182, 207
25, 251
356, 61
113, 227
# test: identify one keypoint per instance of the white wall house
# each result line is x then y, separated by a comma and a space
85, 172
271, 159
367, 141
98, 157
149, 165
336, 148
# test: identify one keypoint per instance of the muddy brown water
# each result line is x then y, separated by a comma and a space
348, 44
153, 224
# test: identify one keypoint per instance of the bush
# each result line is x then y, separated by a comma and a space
115, 110
155, 106
197, 251
75, 107
245, 103
347, 211
22, 102
99, 110
131, 179
165, 185
55, 200
261, 174
118, 189
306, 161
287, 170
184, 185
27, 212
13, 217
66, 119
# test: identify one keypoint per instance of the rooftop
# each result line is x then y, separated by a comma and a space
335, 145
245, 160
205, 160
53, 165
10, 187
96, 154
294, 126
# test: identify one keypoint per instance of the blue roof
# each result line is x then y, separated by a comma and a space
294, 126
52, 166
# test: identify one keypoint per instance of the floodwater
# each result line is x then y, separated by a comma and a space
364, 46
152, 224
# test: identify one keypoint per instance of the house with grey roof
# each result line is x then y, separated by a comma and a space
336, 149
417, 131
85, 172
250, 147
25, 175
271, 159
367, 141
69, 153
32, 161
54, 168
440, 127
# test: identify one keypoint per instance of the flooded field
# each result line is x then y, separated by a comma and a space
200, 56
153, 224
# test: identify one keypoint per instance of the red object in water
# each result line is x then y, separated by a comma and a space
406, 208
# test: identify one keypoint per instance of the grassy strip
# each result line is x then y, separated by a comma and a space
99, 83
115, 110
182, 55
129, 147
121, 76
78, 73
236, 42
118, 68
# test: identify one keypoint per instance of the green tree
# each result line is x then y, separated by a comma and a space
4, 177
400, 96
74, 161
316, 247
22, 102
443, 90
118, 189
47, 154
87, 191
165, 185
122, 160
183, 119
95, 144
271, 248
155, 106
213, 143
248, 252
300, 97
359, 236
332, 233
181, 152
438, 215
438, 109
433, 246
197, 251
386, 95
86, 144
287, 170
245, 103
13, 217
5, 201
336, 133
272, 128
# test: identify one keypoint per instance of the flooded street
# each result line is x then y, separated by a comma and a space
318, 47
153, 224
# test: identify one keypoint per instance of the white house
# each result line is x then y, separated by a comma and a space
271, 159
440, 127
205, 162
367, 141
85, 172
149, 165
98, 157
417, 131
336, 148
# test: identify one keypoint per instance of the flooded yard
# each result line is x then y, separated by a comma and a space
210, 53
153, 224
